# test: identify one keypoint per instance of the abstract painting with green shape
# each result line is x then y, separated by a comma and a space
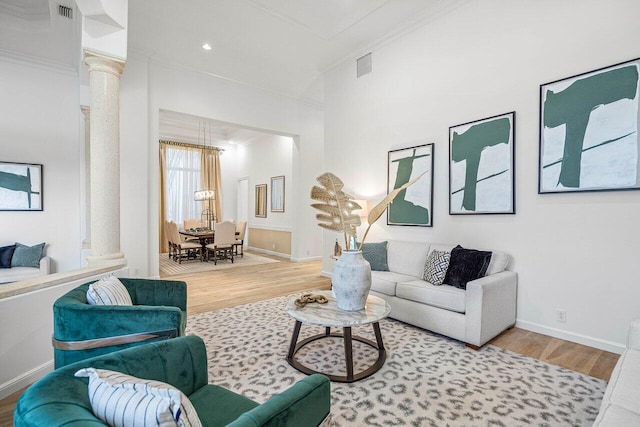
481, 163
20, 187
414, 205
589, 131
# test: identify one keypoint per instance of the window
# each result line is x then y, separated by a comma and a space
183, 178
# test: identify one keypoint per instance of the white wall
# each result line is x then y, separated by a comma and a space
175, 89
40, 122
270, 156
576, 252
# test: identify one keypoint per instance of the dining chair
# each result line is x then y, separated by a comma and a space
191, 223
241, 229
224, 237
167, 234
191, 248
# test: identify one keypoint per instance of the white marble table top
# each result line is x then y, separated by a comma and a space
329, 315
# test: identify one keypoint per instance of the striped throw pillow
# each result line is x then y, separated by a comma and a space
108, 291
121, 400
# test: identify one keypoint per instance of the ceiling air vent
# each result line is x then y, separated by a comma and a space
65, 11
364, 65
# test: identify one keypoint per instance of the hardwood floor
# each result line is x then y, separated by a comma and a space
240, 285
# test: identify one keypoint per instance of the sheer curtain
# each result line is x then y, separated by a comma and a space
180, 175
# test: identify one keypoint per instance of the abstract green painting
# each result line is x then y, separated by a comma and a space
589, 131
414, 205
20, 187
481, 166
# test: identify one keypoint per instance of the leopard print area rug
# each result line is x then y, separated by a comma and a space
427, 379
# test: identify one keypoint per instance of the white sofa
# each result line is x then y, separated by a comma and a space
475, 315
16, 274
621, 402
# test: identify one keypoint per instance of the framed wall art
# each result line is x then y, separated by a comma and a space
413, 205
261, 200
481, 166
589, 131
20, 187
277, 194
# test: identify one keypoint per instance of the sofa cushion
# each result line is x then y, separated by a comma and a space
466, 265
623, 385
616, 416
376, 254
6, 254
445, 296
407, 257
499, 262
385, 281
27, 256
436, 267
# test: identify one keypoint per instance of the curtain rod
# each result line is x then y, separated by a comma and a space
188, 145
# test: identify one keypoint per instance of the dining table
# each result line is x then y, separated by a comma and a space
204, 235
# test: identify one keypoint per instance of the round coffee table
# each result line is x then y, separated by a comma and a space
329, 316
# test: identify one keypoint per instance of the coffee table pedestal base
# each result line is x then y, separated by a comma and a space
295, 346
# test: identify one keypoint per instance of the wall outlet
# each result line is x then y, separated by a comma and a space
561, 316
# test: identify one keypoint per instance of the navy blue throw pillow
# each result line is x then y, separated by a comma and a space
376, 254
466, 265
6, 253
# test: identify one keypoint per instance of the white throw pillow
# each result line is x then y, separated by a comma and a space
121, 400
108, 291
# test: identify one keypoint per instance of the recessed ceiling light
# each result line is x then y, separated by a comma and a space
207, 46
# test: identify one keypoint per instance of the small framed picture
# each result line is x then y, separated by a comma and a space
20, 187
277, 194
414, 205
481, 166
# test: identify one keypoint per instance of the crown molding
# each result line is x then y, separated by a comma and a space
33, 61
163, 61
398, 33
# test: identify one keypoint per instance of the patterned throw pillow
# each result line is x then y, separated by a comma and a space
436, 267
121, 400
108, 291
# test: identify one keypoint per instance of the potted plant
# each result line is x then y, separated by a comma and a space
351, 278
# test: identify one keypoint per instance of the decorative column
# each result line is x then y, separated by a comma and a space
104, 82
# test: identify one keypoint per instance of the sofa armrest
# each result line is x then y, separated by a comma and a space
633, 340
306, 403
45, 265
490, 306
157, 292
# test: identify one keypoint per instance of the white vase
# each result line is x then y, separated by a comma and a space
351, 281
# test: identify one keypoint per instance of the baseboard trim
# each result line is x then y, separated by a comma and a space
309, 258
265, 251
600, 344
26, 379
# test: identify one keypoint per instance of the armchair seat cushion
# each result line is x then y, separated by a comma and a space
217, 406
443, 296
385, 281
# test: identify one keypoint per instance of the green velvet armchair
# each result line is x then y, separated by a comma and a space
59, 398
81, 330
